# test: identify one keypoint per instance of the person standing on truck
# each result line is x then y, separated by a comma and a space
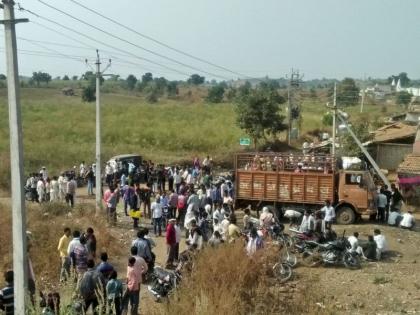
329, 214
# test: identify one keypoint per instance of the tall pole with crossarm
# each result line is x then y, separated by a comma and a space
16, 159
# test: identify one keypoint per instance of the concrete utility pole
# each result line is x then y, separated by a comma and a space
98, 190
365, 152
20, 259
334, 121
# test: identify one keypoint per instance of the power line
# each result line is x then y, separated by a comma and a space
111, 53
158, 41
101, 42
131, 43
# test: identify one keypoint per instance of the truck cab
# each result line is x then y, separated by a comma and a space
356, 195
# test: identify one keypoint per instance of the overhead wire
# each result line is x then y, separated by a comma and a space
131, 43
102, 43
111, 54
158, 41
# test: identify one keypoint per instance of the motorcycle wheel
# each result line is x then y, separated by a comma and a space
282, 272
289, 258
351, 261
311, 259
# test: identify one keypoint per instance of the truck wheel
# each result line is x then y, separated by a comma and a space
345, 215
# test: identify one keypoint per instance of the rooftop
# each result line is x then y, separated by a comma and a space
410, 165
395, 131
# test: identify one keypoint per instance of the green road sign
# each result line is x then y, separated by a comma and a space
245, 141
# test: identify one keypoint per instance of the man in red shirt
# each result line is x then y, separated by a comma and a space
171, 242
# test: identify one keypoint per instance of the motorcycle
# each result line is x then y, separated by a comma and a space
336, 252
28, 193
163, 282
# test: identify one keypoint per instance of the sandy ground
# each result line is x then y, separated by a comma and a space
391, 286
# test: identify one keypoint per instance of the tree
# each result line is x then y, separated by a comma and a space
196, 79
312, 93
66, 78
74, 78
348, 146
403, 98
327, 119
402, 77
91, 77
215, 94
347, 92
231, 94
146, 78
131, 82
2, 77
258, 114
39, 77
151, 92
172, 89
244, 90
88, 94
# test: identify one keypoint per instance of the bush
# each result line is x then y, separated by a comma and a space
226, 281
215, 94
88, 94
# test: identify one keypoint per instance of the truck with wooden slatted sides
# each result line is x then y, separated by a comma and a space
299, 182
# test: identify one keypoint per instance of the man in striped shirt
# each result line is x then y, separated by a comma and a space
6, 294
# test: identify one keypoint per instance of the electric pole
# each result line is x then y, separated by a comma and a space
334, 120
20, 260
293, 106
98, 181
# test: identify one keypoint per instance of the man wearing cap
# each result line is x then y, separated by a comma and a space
171, 242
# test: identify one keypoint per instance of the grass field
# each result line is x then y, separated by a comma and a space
59, 131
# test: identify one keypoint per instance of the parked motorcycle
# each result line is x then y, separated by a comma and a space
163, 282
336, 252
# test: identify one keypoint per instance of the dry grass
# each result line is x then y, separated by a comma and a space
226, 281
46, 225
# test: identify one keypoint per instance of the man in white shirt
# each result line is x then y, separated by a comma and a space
308, 223
354, 243
62, 187
156, 208
329, 214
408, 220
44, 173
225, 227
394, 218
381, 244
40, 189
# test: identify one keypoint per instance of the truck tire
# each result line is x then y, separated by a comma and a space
345, 215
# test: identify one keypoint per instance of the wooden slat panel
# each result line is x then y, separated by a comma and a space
271, 186
311, 188
258, 187
326, 188
298, 187
284, 187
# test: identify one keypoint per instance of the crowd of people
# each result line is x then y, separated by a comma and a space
173, 200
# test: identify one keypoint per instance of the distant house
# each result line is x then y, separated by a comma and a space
390, 144
415, 91
378, 91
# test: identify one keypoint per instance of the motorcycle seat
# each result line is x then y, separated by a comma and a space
162, 273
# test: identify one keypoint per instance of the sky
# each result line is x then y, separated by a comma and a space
321, 38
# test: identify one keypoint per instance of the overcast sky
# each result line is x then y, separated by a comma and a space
322, 38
